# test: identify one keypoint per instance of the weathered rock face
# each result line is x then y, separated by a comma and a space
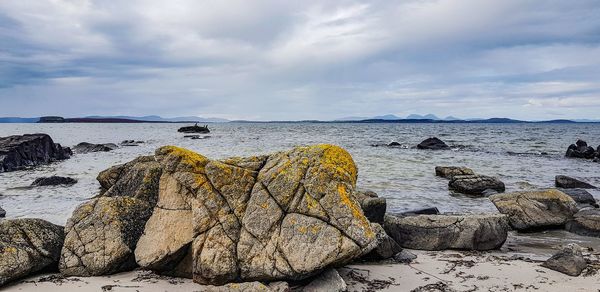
101, 236
250, 287
373, 206
283, 216
53, 181
477, 185
85, 147
585, 222
581, 150
450, 172
535, 209
138, 178
386, 247
328, 281
433, 144
569, 261
440, 232
581, 197
18, 152
566, 182
28, 246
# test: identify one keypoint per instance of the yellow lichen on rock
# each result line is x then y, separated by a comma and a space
356, 210
339, 159
185, 156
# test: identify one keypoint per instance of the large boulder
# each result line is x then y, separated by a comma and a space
476, 185
53, 181
85, 147
585, 222
441, 232
433, 144
582, 197
282, 216
19, 152
535, 209
138, 178
581, 150
28, 246
566, 182
569, 261
101, 236
450, 172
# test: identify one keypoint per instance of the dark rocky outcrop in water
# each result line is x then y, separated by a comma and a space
19, 152
53, 181
85, 147
569, 261
585, 222
566, 182
28, 246
450, 172
581, 197
581, 150
131, 143
433, 144
2, 213
534, 210
194, 129
423, 211
476, 185
440, 232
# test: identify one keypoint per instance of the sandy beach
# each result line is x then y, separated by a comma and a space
431, 271
516, 267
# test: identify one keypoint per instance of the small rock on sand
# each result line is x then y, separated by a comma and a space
328, 281
569, 261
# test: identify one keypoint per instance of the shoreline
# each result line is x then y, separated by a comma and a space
515, 267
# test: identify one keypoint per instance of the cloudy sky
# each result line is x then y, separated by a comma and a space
281, 60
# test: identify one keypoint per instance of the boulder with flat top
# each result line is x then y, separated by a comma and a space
539, 209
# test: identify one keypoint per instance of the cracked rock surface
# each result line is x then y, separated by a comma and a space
535, 209
283, 216
138, 178
101, 236
28, 246
477, 185
440, 232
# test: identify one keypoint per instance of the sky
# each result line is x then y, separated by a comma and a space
295, 60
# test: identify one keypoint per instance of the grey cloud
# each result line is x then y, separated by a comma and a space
300, 59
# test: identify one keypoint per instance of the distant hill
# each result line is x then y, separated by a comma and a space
18, 120
420, 117
161, 119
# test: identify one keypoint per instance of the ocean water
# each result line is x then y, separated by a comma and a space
405, 176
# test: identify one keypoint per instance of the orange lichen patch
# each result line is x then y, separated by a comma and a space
302, 229
338, 159
187, 157
9, 249
355, 209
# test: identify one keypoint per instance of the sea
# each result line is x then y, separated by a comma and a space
525, 156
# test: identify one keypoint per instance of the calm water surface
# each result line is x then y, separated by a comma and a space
404, 176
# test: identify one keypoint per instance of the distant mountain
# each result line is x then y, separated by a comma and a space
387, 117
451, 118
351, 119
18, 120
161, 119
420, 117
